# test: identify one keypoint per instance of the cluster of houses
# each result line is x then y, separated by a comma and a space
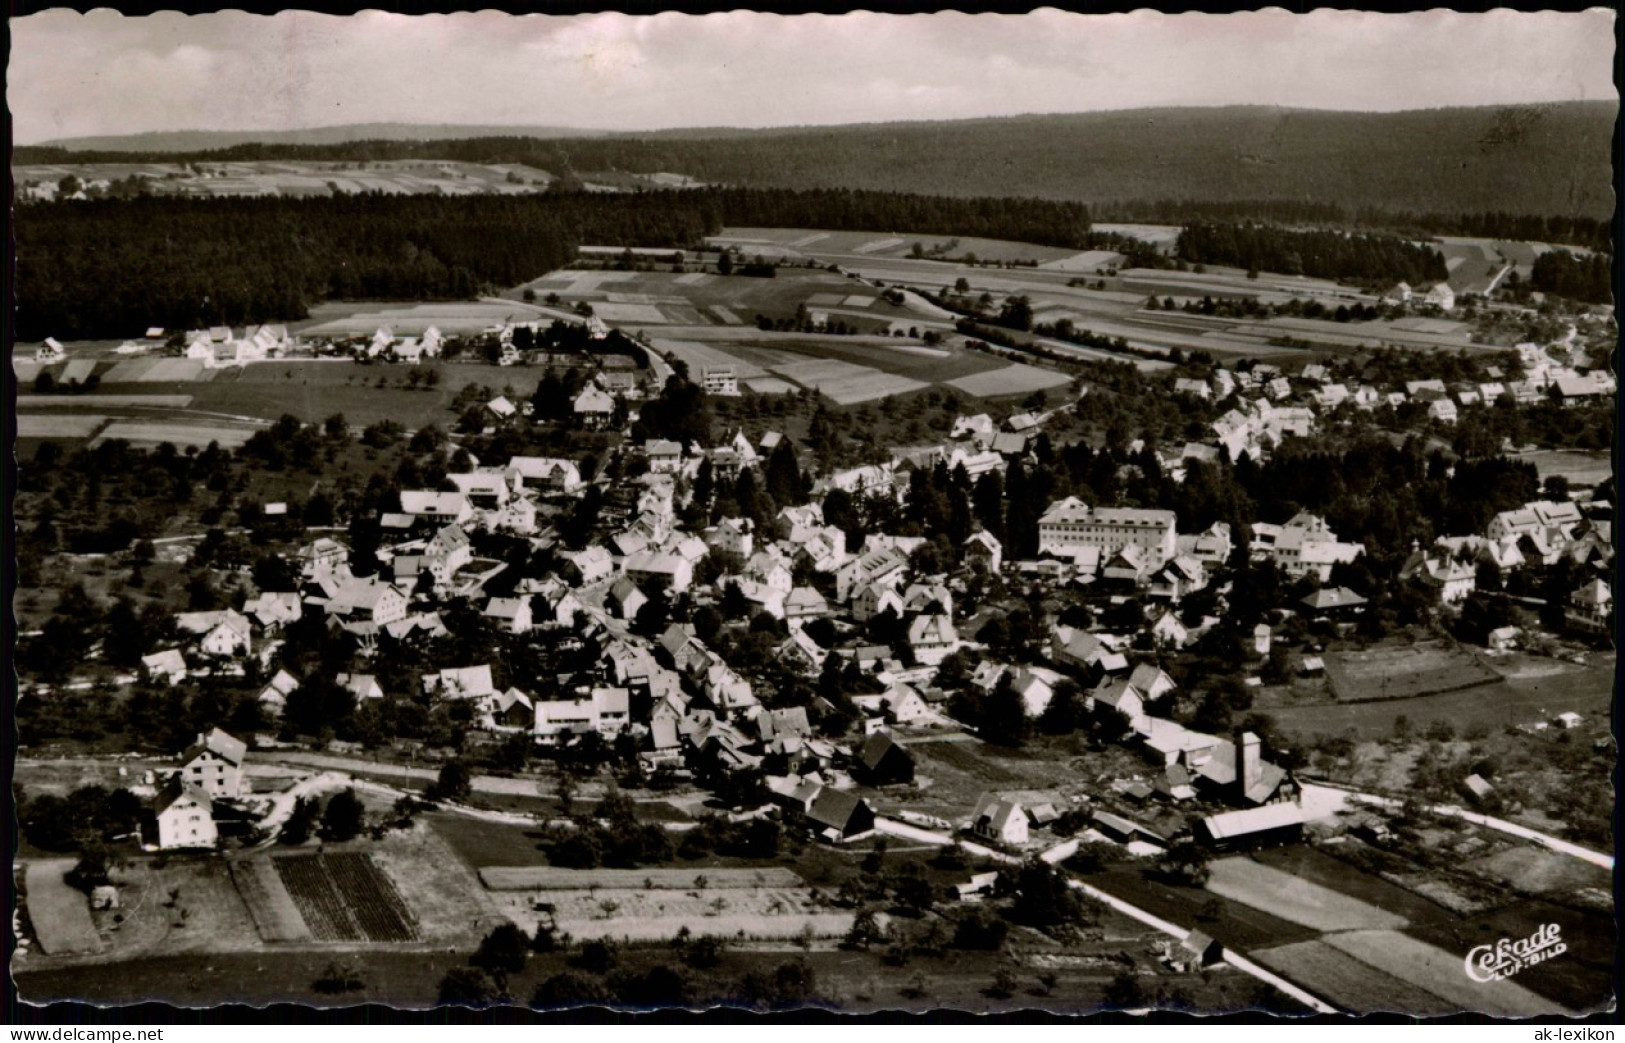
219, 346
1270, 405
1540, 533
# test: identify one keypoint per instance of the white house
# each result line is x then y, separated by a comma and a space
999, 820
183, 817
214, 764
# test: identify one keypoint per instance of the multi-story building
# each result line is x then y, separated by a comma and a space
1070, 525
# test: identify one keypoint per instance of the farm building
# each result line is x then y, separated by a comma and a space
1252, 827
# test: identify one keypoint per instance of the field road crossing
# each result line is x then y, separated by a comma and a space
1328, 799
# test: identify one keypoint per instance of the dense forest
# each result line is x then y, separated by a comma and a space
111, 268
1539, 160
1366, 259
1586, 278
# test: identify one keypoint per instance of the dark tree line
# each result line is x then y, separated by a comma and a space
1587, 277
112, 268
1319, 254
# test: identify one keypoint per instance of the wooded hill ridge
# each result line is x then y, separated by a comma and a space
1550, 159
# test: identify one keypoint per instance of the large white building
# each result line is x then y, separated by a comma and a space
1071, 526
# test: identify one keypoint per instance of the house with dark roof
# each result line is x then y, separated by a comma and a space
837, 815
882, 761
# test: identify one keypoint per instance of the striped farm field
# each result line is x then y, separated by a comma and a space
700, 357
275, 914
1345, 982
345, 897
845, 383
1443, 974
1293, 898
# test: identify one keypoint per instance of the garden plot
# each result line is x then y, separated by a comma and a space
769, 386
1346, 982
1442, 973
1295, 899
276, 916
176, 370
59, 425
726, 315
1014, 379
58, 911
845, 383
344, 897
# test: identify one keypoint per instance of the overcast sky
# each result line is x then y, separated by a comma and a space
103, 73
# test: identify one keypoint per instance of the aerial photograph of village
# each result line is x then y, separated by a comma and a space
958, 512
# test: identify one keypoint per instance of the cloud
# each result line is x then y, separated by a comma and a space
104, 73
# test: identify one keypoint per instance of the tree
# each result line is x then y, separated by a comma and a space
569, 989
503, 952
1185, 862
453, 783
1125, 991
468, 987
344, 816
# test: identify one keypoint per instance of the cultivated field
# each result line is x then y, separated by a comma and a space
411, 320
156, 371
803, 242
549, 878
276, 915
1293, 898
179, 435
846, 384
344, 897
1014, 379
1403, 672
59, 912
1441, 973
25, 402
58, 425
1345, 982
699, 357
